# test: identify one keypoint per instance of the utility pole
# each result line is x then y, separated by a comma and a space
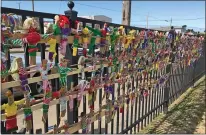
126, 12
19, 4
32, 5
147, 20
171, 22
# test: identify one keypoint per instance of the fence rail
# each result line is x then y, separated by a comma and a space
131, 118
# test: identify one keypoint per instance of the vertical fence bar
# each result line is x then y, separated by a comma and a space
155, 95
132, 105
160, 96
107, 97
92, 124
149, 96
152, 96
167, 90
75, 82
112, 122
136, 101
127, 109
100, 94
146, 101
57, 88
100, 104
106, 124
143, 103
84, 96
158, 91
123, 92
100, 97
139, 105
43, 49
118, 94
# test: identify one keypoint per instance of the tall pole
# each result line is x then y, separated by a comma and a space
147, 20
19, 3
171, 22
126, 12
32, 5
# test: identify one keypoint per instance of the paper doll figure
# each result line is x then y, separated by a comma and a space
63, 70
82, 85
52, 41
44, 74
18, 72
108, 111
85, 38
132, 97
31, 37
62, 101
46, 100
11, 112
104, 39
64, 25
27, 111
84, 123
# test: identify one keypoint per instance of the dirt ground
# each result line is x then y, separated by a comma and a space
201, 127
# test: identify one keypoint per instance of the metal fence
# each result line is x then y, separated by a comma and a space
134, 117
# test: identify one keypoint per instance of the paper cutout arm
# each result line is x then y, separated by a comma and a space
19, 102
3, 107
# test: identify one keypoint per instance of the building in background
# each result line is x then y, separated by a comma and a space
102, 18
178, 29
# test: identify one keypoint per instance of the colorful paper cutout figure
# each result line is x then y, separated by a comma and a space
11, 112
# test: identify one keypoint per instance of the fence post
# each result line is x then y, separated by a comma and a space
193, 76
167, 89
74, 59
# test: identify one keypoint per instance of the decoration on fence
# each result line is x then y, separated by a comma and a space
63, 23
11, 111
62, 69
127, 56
28, 112
52, 42
47, 89
30, 36
18, 72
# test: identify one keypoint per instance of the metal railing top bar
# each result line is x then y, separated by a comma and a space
51, 16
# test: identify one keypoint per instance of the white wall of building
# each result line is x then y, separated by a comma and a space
178, 30
99, 18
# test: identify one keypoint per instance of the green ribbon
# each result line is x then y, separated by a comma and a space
91, 45
138, 60
4, 73
115, 68
44, 36
95, 32
17, 42
56, 29
76, 43
153, 47
113, 38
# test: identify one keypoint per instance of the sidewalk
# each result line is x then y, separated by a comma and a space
185, 115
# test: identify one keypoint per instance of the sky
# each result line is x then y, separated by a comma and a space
190, 13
